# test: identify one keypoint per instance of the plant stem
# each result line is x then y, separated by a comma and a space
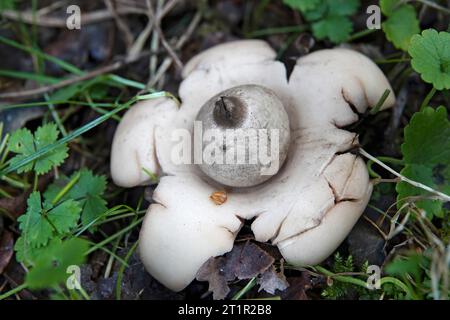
245, 289
361, 34
441, 195
427, 99
13, 291
122, 270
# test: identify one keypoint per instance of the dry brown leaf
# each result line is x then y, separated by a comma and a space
6, 249
271, 281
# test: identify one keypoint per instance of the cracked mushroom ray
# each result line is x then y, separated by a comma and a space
306, 208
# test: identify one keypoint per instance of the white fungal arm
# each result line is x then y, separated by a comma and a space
133, 149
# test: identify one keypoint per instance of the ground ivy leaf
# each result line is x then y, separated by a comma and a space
25, 144
35, 229
389, 6
405, 190
336, 28
401, 25
51, 266
343, 7
302, 5
430, 54
426, 153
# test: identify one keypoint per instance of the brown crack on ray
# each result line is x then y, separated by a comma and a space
337, 200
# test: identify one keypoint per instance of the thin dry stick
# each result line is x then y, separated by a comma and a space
157, 25
92, 74
121, 25
441, 195
180, 43
434, 5
154, 44
143, 36
56, 22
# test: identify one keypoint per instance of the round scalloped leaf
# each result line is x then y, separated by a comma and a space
430, 54
389, 6
401, 25
302, 5
336, 28
426, 153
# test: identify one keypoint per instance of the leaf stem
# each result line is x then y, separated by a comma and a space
66, 188
441, 195
13, 291
245, 289
427, 99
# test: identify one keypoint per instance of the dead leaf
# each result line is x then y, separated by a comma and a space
245, 261
297, 288
271, 281
6, 249
212, 271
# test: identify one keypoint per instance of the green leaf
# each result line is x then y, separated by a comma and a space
426, 154
411, 265
88, 191
329, 18
430, 54
21, 141
389, 6
342, 7
401, 25
27, 254
336, 28
24, 144
40, 223
65, 216
302, 5
51, 266
94, 206
36, 230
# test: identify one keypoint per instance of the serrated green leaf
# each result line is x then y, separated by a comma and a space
36, 230
40, 223
25, 144
50, 268
94, 206
430, 54
302, 5
21, 142
336, 28
26, 253
65, 216
88, 191
401, 25
426, 154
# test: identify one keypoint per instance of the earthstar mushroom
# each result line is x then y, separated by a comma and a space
307, 208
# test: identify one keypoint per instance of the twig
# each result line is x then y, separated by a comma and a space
434, 6
92, 74
157, 26
441, 195
180, 43
143, 36
121, 25
56, 22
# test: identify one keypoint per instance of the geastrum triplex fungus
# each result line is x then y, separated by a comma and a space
249, 143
